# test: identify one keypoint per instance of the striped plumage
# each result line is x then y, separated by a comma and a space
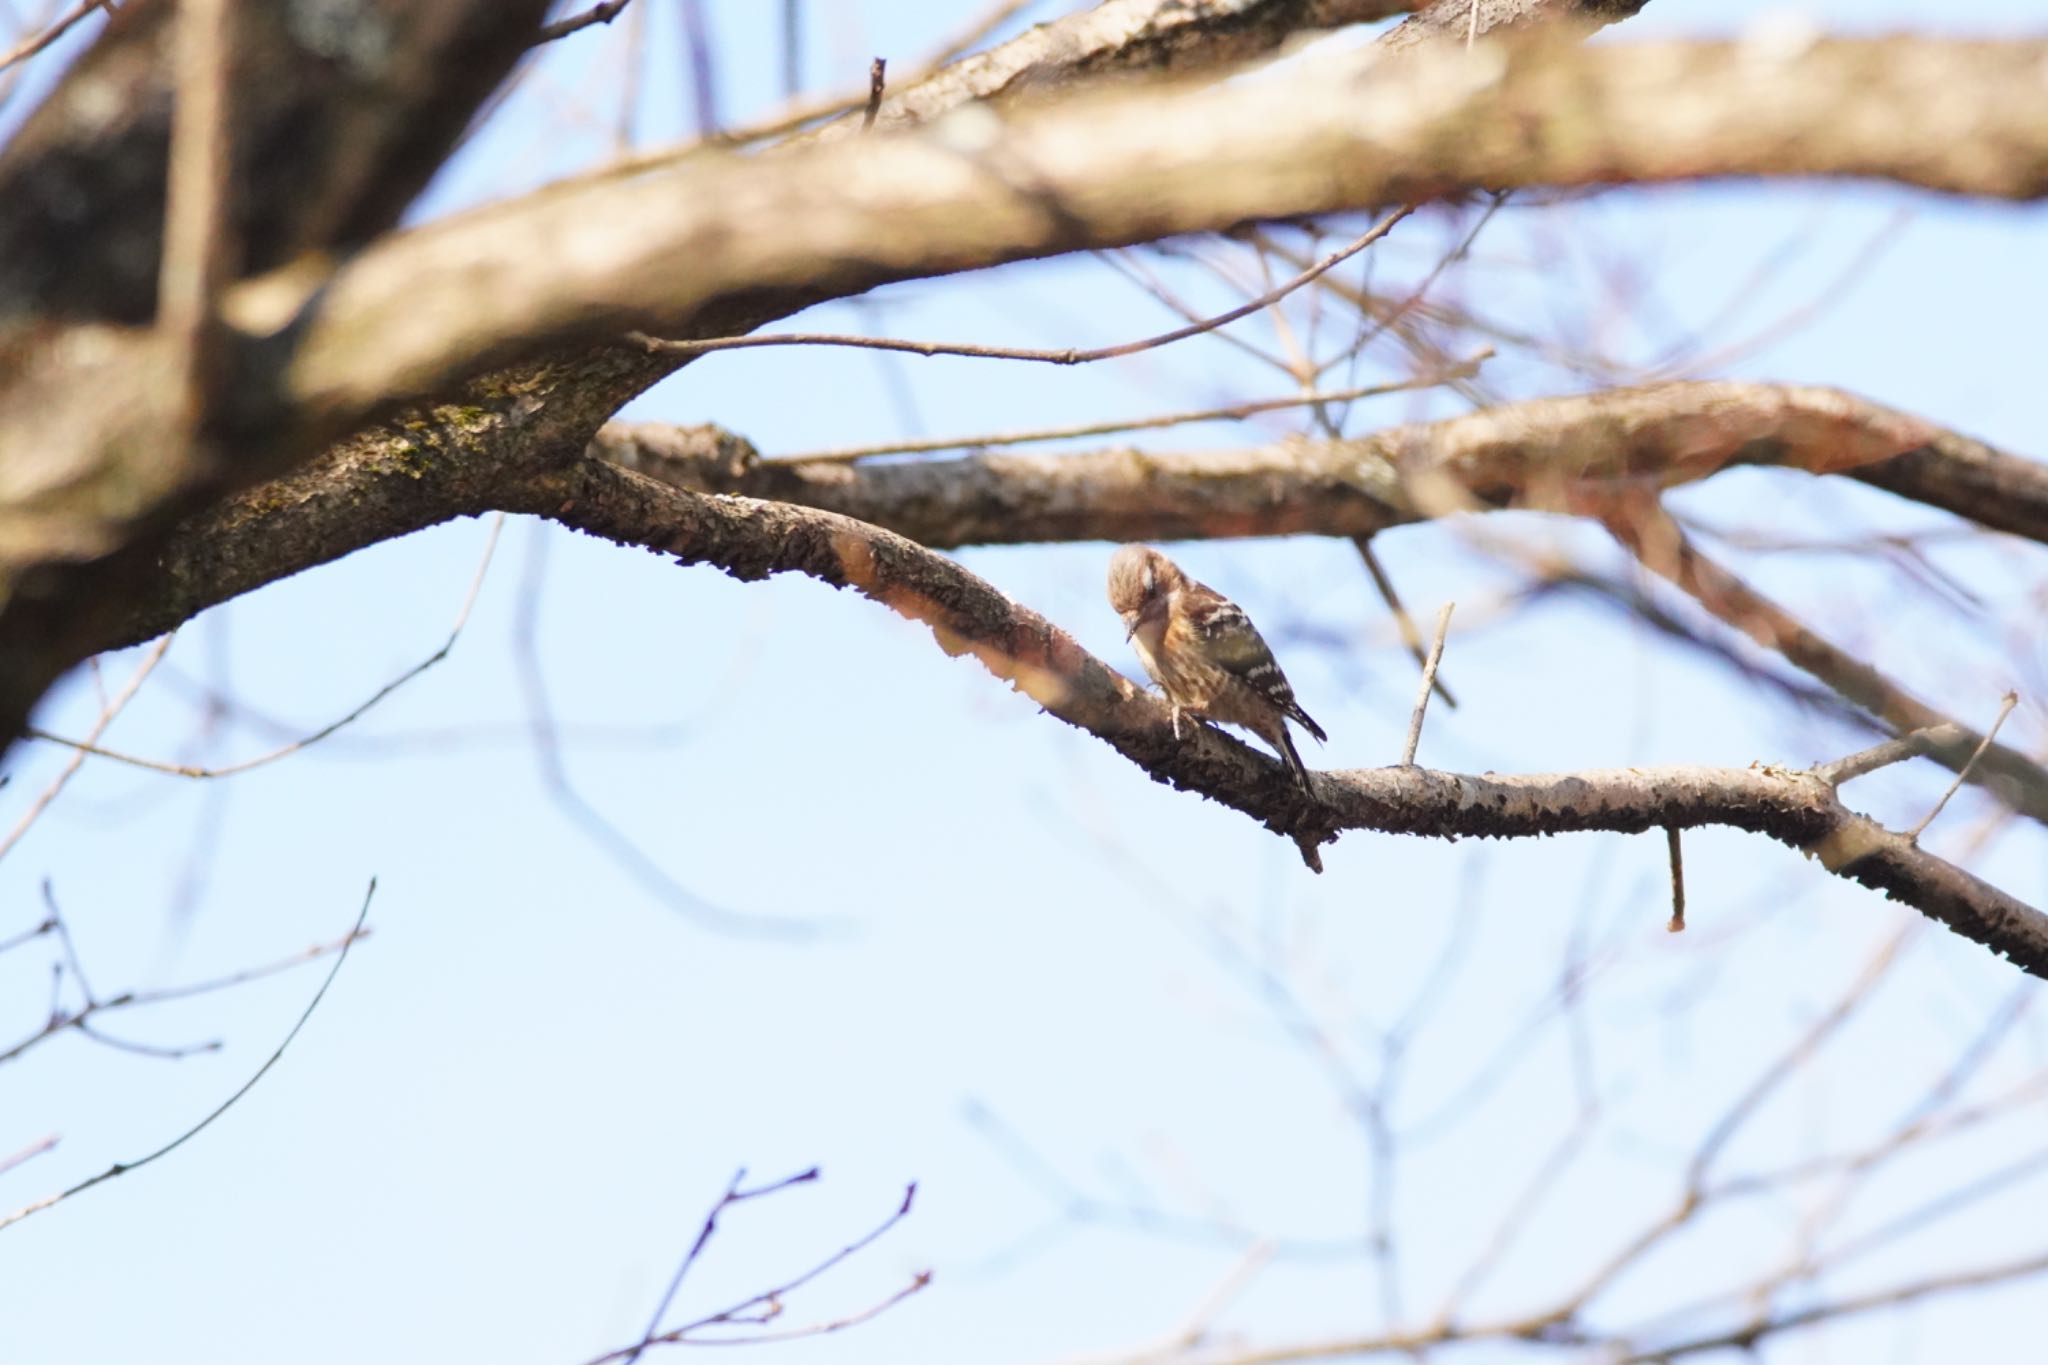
1204, 652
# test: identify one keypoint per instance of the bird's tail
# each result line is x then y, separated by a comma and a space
1300, 717
1285, 744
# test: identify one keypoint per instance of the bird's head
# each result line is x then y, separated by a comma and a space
1140, 580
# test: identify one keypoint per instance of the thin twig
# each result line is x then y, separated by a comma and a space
733, 1195
1233, 413
1662, 546
796, 114
8, 945
33, 1150
1866, 761
2012, 699
79, 1018
167, 1052
859, 1244
30, 46
621, 847
1677, 922
65, 941
1744, 1338
792, 49
1068, 356
476, 583
878, 81
919, 1281
633, 59
703, 66
765, 1306
1436, 654
199, 250
596, 14
123, 1168
106, 717
1403, 622
1130, 264
1420, 292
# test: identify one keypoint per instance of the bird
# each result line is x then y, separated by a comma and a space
1204, 652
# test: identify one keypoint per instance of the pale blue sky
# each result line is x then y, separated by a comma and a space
502, 1127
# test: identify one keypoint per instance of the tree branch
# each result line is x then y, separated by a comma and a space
1664, 549
717, 244
96, 452
338, 123
666, 251
750, 539
1557, 453
1453, 20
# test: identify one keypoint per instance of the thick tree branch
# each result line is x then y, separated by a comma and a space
1121, 38
338, 118
1576, 454
1974, 481
1453, 20
665, 250
687, 247
331, 507
1563, 454
715, 245
93, 483
751, 539
1663, 548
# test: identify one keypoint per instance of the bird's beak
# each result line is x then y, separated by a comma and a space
1130, 627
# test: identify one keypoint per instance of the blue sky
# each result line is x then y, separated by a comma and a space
1028, 978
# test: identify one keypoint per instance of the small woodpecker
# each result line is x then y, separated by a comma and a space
1204, 652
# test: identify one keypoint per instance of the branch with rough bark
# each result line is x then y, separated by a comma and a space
336, 121
1561, 454
1584, 454
751, 539
675, 250
698, 244
421, 311
715, 244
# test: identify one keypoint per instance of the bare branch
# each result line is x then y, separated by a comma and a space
1064, 356
751, 540
200, 235
81, 1018
1555, 453
1664, 549
763, 1307
113, 708
597, 14
1464, 20
1436, 655
1234, 412
123, 1168
476, 583
664, 250
1892, 751
2012, 699
1851, 1305
33, 1150
878, 76
1676, 924
1403, 622
57, 28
